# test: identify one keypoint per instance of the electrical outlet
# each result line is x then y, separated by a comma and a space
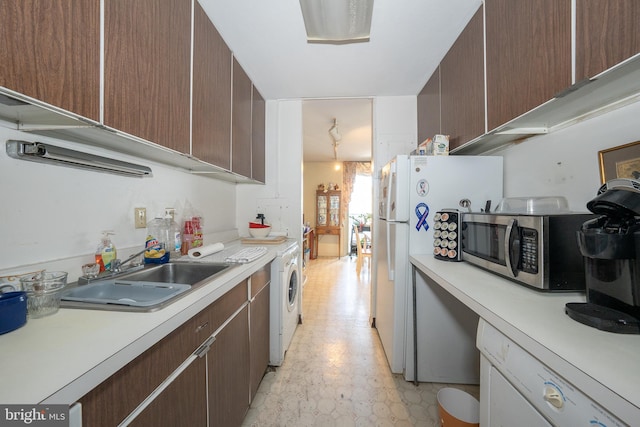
140, 217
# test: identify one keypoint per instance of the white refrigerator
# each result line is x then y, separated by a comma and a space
412, 189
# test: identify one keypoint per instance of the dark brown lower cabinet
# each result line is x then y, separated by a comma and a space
222, 374
182, 403
228, 362
116, 397
259, 337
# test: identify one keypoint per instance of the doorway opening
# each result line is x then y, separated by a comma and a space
360, 209
336, 132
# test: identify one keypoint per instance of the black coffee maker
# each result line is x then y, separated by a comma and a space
610, 245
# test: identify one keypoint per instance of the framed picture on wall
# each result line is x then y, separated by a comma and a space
622, 161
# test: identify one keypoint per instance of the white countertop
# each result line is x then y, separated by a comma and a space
59, 358
603, 365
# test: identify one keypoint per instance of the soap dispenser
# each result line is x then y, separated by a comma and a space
106, 251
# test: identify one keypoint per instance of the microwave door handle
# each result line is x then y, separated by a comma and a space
510, 257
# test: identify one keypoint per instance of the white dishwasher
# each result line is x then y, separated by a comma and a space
516, 389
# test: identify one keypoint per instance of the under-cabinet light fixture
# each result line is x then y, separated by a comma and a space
337, 21
47, 153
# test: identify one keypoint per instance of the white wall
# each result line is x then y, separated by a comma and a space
395, 128
52, 216
280, 199
565, 163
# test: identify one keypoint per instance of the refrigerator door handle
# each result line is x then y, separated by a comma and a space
390, 258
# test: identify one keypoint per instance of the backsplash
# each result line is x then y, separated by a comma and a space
53, 215
565, 162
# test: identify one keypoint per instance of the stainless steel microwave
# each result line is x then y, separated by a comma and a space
540, 251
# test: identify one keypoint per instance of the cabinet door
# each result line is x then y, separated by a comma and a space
241, 122
321, 206
50, 51
528, 55
211, 93
182, 403
334, 210
259, 338
462, 85
429, 108
148, 70
228, 367
606, 34
257, 137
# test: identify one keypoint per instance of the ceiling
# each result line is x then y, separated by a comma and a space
354, 125
408, 40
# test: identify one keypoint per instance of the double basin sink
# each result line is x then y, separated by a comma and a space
148, 289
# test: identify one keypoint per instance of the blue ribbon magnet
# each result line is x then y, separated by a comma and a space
422, 212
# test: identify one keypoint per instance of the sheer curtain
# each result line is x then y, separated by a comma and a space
349, 172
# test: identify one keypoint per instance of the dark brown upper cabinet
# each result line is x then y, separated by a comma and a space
241, 122
147, 77
257, 137
462, 85
606, 33
429, 108
528, 51
46, 55
211, 139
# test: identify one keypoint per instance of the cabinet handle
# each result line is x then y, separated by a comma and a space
204, 348
201, 327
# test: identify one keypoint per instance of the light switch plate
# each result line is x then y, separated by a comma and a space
140, 217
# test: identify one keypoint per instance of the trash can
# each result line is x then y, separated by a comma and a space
458, 408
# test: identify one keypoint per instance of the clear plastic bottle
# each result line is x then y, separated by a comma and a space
174, 237
167, 232
158, 229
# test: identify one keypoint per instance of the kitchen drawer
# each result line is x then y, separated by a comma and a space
260, 279
212, 317
331, 231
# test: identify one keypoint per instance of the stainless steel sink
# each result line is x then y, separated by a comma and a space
125, 292
148, 289
176, 272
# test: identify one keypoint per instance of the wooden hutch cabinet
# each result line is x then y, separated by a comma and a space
328, 219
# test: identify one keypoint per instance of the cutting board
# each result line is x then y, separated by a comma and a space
276, 240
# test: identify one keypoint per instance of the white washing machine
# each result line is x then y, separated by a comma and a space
285, 301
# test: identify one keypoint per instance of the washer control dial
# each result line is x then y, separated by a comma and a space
553, 396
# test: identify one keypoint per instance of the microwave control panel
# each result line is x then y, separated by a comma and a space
529, 250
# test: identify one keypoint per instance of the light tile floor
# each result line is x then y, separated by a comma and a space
335, 372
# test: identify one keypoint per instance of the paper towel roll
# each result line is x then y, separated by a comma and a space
203, 251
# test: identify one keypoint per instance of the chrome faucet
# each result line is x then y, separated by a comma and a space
116, 268
116, 264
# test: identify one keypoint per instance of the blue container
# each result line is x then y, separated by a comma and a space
13, 311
